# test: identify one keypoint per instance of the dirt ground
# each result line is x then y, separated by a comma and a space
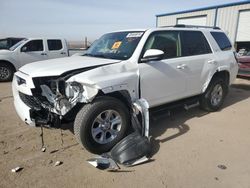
188, 148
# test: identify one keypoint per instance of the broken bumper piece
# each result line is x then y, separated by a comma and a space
130, 151
45, 118
32, 113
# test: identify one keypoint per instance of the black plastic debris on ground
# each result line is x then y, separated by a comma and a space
222, 167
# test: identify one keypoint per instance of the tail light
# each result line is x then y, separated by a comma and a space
236, 57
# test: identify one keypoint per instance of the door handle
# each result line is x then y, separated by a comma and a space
43, 54
211, 61
63, 53
182, 66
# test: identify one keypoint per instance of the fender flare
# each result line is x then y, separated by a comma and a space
211, 76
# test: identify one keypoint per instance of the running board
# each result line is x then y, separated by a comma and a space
166, 109
188, 107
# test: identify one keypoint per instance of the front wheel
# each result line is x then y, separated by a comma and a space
6, 72
101, 124
214, 96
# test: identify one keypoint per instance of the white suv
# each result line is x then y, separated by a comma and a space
96, 90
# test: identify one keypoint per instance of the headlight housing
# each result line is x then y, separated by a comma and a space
20, 80
73, 89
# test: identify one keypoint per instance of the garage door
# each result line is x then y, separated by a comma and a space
243, 33
201, 20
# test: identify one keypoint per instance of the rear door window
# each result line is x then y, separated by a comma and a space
194, 43
222, 40
54, 45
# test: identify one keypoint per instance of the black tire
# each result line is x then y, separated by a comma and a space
206, 100
84, 123
6, 72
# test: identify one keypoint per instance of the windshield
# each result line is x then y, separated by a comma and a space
120, 45
17, 44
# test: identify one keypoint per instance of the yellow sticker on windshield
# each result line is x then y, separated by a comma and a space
116, 45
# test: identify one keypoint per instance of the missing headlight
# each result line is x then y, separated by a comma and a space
73, 89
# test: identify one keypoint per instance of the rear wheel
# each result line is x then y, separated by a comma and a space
214, 96
6, 72
101, 124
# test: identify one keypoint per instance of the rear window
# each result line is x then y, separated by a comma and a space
222, 40
54, 45
194, 43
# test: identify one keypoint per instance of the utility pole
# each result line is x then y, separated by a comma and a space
86, 42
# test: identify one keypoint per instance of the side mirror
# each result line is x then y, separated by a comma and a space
24, 49
152, 55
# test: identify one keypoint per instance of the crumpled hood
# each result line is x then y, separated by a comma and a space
55, 67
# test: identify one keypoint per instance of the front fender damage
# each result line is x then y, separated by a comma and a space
58, 96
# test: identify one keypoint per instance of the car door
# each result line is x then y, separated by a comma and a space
163, 81
56, 49
198, 59
32, 51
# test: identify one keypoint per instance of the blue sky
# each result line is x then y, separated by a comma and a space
75, 19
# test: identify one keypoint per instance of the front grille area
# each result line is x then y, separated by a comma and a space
30, 101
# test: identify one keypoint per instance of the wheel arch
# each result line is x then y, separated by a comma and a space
122, 95
8, 63
223, 74
222, 78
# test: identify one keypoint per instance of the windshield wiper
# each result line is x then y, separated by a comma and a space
86, 54
95, 55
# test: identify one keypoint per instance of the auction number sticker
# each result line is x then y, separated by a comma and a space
116, 45
134, 35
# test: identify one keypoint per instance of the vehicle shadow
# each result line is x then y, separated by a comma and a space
243, 77
178, 117
242, 86
175, 120
68, 126
237, 92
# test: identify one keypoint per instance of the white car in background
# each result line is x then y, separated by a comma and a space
96, 90
28, 51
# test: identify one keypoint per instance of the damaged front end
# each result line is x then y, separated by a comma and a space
53, 98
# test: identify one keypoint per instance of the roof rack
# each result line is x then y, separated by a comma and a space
196, 26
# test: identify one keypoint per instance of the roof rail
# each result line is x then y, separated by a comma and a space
196, 26
167, 26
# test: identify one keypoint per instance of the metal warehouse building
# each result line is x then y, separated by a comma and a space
233, 18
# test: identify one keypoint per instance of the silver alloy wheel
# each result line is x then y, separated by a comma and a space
216, 95
4, 73
106, 126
